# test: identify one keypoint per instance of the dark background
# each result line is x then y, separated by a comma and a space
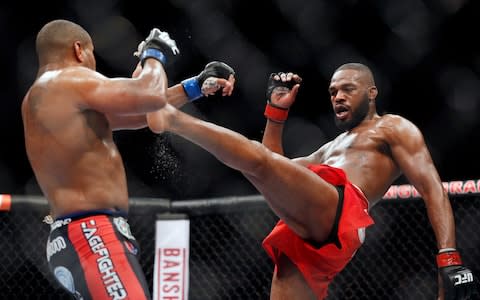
424, 55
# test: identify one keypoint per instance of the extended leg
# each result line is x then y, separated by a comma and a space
298, 196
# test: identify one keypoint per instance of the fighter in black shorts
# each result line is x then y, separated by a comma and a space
69, 114
98, 256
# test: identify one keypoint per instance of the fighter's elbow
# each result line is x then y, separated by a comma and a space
154, 122
160, 98
154, 91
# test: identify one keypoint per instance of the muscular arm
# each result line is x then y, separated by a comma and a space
142, 94
175, 96
272, 139
411, 154
282, 91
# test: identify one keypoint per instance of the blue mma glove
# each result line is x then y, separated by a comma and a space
194, 86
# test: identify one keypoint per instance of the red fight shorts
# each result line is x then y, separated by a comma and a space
319, 265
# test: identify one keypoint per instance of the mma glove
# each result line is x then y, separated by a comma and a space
195, 86
458, 281
157, 45
274, 112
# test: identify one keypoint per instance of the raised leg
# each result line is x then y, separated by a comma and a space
303, 200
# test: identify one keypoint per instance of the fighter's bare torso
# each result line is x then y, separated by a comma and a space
364, 154
71, 148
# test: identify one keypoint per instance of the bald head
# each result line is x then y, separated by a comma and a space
365, 71
55, 40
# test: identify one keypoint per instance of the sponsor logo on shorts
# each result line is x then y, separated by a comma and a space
54, 246
130, 247
123, 227
65, 277
113, 285
60, 223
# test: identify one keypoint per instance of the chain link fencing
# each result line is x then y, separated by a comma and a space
397, 260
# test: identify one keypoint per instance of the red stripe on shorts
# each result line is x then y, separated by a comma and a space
96, 242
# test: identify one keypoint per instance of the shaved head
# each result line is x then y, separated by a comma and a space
56, 39
367, 74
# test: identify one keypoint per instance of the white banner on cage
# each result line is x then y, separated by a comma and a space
172, 241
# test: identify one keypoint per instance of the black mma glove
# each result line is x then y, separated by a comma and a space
274, 112
458, 281
194, 87
157, 45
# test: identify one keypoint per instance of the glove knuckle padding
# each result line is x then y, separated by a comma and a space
194, 86
165, 47
274, 84
160, 40
215, 69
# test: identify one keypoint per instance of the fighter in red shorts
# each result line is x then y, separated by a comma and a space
69, 114
320, 262
322, 214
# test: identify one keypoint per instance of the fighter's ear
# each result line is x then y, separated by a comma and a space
372, 93
78, 50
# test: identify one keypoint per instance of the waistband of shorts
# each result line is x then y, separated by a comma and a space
363, 194
88, 213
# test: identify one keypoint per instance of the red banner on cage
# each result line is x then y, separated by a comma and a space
5, 202
452, 188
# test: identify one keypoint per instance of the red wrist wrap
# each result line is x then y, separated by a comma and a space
275, 113
448, 259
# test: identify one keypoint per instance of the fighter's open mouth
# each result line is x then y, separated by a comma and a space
341, 111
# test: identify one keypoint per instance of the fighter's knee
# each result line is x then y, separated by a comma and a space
260, 160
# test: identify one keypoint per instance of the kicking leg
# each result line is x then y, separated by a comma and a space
302, 199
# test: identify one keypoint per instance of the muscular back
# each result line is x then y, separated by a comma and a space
70, 147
